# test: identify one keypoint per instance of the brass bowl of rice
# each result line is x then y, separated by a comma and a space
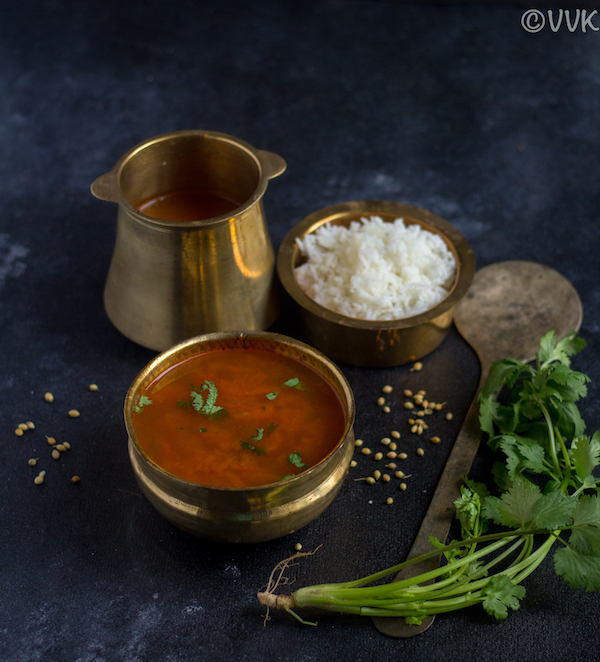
375, 282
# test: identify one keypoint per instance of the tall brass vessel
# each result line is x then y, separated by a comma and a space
169, 279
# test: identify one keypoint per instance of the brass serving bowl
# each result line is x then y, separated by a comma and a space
375, 343
253, 514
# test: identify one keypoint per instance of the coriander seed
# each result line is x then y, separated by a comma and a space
51, 440
73, 413
32, 462
392, 455
365, 451
399, 474
93, 387
55, 454
389, 501
387, 389
391, 465
402, 456
417, 366
385, 478
358, 442
386, 441
408, 405
395, 434
435, 440
30, 425
402, 486
297, 546
19, 432
408, 393
386, 410
23, 426
449, 416
393, 446
38, 480
377, 474
370, 480
420, 451
381, 401
75, 479
48, 397
353, 463
378, 456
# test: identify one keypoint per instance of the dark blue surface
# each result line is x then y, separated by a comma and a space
455, 109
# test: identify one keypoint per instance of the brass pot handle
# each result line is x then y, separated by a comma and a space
272, 164
105, 187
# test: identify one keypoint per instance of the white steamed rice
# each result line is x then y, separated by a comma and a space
375, 270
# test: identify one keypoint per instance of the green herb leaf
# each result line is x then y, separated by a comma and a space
585, 455
295, 459
286, 477
246, 445
292, 383
500, 594
142, 402
208, 406
577, 569
259, 434
202, 429
553, 510
517, 504
585, 531
272, 395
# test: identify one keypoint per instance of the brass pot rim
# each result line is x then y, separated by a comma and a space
107, 187
463, 253
151, 372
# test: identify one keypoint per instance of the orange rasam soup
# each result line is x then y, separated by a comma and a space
238, 417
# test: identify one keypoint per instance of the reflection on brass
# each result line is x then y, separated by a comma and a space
170, 280
509, 307
252, 514
373, 343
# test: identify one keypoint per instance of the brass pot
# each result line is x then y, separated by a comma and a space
253, 514
170, 280
367, 343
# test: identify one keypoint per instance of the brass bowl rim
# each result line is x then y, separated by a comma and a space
464, 258
183, 225
347, 402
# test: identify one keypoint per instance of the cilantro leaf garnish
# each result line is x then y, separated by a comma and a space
205, 406
246, 445
144, 401
501, 593
296, 459
272, 395
259, 434
295, 383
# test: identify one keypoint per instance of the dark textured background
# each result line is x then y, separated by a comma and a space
456, 109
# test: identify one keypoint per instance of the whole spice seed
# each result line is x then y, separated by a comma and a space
449, 416
386, 410
386, 441
402, 486
420, 451
435, 440
408, 393
93, 387
438, 406
32, 462
389, 501
414, 429
297, 546
408, 405
418, 399
73, 413
38, 480
392, 455
417, 366
365, 451
23, 426
381, 401
51, 440
75, 479
55, 454
385, 478
30, 425
370, 480
378, 456
19, 432
358, 442
393, 446
395, 434
61, 447
377, 474
391, 465
48, 397
387, 389
399, 474
353, 463
402, 456
66, 444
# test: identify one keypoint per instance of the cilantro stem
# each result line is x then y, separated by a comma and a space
551, 440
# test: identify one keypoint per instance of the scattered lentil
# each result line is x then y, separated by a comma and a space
387, 388
378, 456
402, 486
55, 454
389, 501
365, 451
48, 397
73, 413
420, 451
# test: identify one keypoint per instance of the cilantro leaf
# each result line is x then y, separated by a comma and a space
585, 531
292, 383
142, 402
553, 510
295, 459
272, 395
500, 594
585, 455
577, 569
259, 434
561, 351
517, 504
